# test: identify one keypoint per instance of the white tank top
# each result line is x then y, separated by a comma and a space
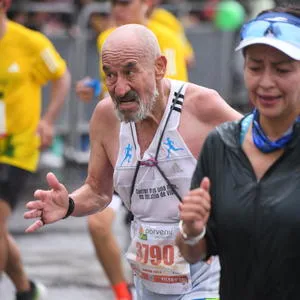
152, 199
143, 183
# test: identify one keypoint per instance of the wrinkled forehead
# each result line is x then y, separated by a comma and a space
123, 47
127, 59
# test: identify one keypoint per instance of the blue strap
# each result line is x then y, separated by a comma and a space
245, 124
95, 84
261, 140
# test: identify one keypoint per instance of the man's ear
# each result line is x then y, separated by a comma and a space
160, 67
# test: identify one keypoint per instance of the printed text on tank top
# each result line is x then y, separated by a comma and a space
153, 162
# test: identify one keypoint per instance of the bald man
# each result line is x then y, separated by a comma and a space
145, 138
100, 225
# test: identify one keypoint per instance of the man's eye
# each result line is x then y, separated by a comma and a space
282, 71
109, 75
254, 68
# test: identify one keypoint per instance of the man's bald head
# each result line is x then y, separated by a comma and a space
135, 36
134, 70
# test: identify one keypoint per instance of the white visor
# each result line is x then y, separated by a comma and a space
287, 48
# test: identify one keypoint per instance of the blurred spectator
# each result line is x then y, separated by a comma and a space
49, 23
200, 11
260, 5
98, 22
166, 18
20, 17
80, 3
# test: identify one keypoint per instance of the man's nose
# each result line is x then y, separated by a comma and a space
122, 87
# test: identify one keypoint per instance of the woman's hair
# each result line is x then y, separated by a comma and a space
287, 8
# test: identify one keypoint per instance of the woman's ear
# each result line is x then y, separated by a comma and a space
160, 67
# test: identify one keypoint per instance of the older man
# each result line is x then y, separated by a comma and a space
172, 46
145, 139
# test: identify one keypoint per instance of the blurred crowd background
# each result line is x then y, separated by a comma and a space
73, 26
57, 17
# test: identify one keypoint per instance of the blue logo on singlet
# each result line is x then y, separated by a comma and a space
128, 154
171, 147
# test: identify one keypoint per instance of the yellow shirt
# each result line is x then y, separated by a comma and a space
166, 18
171, 47
28, 60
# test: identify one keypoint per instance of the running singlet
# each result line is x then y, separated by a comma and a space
172, 48
28, 60
151, 187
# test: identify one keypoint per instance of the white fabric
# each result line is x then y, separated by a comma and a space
285, 47
153, 201
151, 193
154, 257
115, 203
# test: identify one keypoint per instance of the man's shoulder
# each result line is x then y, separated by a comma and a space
208, 106
105, 104
104, 112
200, 93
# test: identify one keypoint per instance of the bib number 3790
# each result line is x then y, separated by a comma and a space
155, 254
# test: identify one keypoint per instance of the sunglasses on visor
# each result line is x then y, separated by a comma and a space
282, 26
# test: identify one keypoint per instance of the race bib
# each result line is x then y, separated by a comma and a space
156, 260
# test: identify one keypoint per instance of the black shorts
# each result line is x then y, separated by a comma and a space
12, 182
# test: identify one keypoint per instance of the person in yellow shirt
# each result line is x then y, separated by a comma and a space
136, 12
127, 12
28, 61
164, 17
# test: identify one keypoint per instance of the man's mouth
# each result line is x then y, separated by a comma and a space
126, 100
